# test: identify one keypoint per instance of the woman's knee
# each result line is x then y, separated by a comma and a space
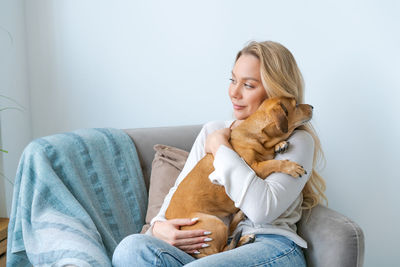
130, 248
294, 257
145, 250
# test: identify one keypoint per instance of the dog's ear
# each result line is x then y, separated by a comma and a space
279, 115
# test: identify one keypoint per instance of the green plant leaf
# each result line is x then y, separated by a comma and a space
2, 109
12, 100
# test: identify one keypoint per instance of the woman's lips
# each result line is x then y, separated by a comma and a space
237, 107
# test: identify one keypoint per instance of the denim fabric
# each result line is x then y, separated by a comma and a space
267, 250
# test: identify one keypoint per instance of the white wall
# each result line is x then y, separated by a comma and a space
15, 124
128, 64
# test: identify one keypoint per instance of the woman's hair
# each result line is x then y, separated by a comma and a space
281, 76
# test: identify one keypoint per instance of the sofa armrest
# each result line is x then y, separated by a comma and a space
333, 239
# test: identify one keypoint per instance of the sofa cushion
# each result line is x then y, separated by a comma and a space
168, 162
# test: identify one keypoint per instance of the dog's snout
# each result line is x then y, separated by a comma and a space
298, 105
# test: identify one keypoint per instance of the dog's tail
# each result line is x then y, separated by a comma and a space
234, 241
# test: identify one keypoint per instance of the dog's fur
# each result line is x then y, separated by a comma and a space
256, 140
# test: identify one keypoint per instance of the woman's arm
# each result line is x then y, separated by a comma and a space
169, 230
196, 154
263, 201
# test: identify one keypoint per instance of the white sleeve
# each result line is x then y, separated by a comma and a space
263, 201
196, 153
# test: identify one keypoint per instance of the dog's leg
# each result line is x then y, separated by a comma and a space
265, 168
234, 242
246, 239
281, 147
239, 216
239, 240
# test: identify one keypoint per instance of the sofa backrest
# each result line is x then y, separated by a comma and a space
333, 239
181, 137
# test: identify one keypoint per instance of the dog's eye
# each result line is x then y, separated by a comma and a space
285, 109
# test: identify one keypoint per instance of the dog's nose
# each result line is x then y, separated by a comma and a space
311, 107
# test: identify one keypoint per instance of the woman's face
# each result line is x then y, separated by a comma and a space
246, 90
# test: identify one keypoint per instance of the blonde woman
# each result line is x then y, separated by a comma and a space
272, 206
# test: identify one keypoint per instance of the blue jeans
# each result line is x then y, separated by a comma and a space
267, 250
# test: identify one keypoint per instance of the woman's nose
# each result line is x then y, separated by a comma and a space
235, 91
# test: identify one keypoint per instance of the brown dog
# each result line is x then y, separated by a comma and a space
256, 140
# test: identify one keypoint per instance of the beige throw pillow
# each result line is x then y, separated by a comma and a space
168, 162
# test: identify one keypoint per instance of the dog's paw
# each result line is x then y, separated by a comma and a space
293, 169
281, 147
246, 239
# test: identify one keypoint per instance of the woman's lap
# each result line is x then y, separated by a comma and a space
145, 250
267, 250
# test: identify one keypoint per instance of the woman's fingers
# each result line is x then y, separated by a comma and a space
181, 222
192, 244
192, 241
193, 252
187, 233
192, 248
217, 138
182, 234
187, 240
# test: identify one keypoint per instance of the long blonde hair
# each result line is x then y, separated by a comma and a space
281, 76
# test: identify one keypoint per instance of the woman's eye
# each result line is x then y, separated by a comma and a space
232, 80
248, 85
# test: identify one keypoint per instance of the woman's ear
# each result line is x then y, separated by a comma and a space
279, 116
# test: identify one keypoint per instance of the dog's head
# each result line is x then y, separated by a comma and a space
283, 115
274, 120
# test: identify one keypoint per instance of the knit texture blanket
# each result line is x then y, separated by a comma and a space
76, 196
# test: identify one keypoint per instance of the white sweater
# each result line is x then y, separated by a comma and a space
273, 205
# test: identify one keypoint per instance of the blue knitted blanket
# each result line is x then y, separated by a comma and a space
76, 196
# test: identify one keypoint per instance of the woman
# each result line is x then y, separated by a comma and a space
272, 206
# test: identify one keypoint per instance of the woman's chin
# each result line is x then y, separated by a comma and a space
240, 115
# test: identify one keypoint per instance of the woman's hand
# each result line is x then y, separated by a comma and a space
216, 139
186, 240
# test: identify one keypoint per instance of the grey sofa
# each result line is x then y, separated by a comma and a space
333, 239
